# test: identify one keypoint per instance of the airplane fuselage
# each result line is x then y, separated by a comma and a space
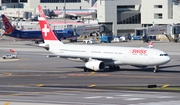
37, 34
114, 55
75, 12
27, 35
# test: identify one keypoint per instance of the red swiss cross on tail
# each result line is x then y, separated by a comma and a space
48, 35
46, 31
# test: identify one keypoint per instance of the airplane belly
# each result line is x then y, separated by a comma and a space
135, 59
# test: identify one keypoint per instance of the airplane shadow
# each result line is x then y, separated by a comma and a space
150, 69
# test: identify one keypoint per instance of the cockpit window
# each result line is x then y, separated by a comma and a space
163, 54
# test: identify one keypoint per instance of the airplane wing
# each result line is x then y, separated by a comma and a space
85, 59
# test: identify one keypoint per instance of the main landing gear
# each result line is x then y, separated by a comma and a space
114, 68
155, 68
87, 70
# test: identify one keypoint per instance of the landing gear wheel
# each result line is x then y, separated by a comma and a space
155, 69
110, 68
87, 70
37, 42
117, 68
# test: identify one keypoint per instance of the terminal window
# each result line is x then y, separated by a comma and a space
14, 1
23, 1
158, 6
128, 17
59, 1
158, 16
6, 1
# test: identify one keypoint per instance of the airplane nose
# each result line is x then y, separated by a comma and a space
168, 59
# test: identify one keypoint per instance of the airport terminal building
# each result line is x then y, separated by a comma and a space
50, 4
118, 16
122, 16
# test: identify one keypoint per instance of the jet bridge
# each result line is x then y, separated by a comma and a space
170, 31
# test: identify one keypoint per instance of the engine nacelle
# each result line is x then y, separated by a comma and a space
95, 65
73, 17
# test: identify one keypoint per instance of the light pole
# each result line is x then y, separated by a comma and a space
65, 11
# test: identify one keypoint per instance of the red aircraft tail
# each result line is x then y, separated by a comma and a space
7, 25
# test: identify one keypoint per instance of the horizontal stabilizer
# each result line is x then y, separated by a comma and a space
43, 45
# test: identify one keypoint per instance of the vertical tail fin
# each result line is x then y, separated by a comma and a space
94, 6
41, 13
48, 35
7, 25
46, 30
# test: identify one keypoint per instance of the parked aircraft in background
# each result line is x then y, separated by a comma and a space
83, 30
75, 13
98, 57
34, 35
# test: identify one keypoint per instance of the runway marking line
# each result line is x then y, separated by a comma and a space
92, 85
166, 85
5, 74
140, 76
77, 74
40, 85
92, 74
7, 103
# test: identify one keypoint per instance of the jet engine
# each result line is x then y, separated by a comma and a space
95, 65
73, 17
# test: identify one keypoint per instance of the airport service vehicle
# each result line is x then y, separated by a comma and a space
35, 35
9, 56
74, 13
90, 41
96, 58
106, 39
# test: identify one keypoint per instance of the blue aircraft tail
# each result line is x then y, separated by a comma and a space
8, 28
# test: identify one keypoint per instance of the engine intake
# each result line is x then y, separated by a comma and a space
95, 65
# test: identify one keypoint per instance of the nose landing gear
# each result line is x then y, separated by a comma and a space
155, 69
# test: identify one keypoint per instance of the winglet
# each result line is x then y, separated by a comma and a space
12, 51
95, 5
7, 25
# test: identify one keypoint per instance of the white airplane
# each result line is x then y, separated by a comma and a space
75, 13
98, 57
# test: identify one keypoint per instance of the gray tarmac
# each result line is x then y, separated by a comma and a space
34, 78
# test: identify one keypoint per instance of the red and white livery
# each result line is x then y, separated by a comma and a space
98, 57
